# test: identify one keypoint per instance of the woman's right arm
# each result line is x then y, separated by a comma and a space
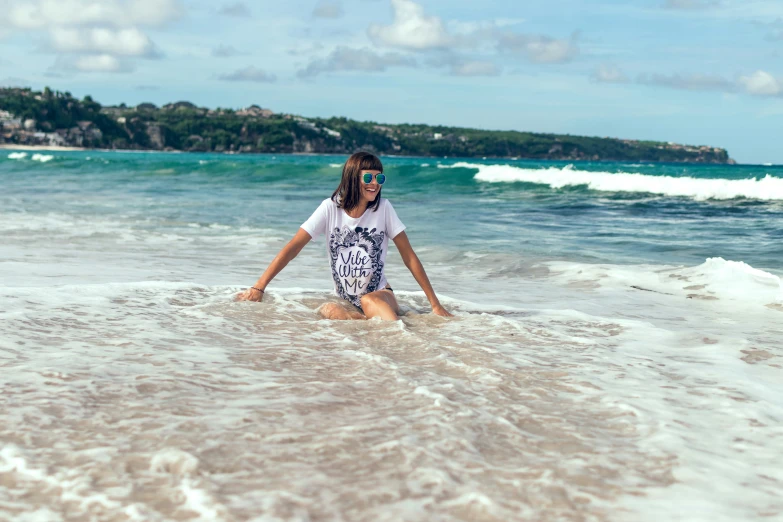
289, 252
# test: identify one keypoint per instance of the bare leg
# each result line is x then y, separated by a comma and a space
381, 303
339, 312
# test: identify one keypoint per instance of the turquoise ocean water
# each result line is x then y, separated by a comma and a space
615, 353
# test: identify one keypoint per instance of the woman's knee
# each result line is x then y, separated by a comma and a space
368, 300
335, 311
377, 304
371, 299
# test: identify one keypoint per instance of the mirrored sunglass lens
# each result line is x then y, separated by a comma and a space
380, 178
367, 178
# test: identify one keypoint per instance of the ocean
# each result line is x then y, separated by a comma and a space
615, 353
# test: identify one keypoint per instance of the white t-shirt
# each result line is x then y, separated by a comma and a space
356, 246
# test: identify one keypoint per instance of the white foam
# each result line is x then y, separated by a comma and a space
768, 188
205, 372
715, 279
17, 155
174, 461
336, 165
42, 514
737, 280
43, 158
74, 487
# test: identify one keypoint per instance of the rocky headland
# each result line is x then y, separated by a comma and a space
57, 119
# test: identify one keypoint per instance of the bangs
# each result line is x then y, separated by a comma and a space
370, 162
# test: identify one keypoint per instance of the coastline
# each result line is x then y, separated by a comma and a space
11, 146
165, 129
55, 148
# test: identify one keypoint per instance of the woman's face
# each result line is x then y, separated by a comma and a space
370, 190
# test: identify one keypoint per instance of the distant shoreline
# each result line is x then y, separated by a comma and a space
55, 148
11, 146
58, 119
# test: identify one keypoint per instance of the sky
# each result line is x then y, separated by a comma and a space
699, 72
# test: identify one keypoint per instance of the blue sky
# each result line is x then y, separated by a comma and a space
702, 72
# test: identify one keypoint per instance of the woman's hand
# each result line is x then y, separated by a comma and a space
439, 310
251, 294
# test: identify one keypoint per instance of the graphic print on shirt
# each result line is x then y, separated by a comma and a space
356, 261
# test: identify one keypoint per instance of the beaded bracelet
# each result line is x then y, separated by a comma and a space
254, 288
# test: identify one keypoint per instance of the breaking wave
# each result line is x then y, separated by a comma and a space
768, 188
715, 279
43, 158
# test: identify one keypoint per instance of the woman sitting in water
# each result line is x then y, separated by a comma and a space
358, 224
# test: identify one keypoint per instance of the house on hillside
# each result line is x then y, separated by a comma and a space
256, 111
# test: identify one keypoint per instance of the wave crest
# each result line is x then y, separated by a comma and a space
769, 188
43, 158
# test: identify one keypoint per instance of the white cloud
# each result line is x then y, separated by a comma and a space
410, 29
609, 74
249, 74
477, 34
414, 30
122, 42
98, 63
41, 14
92, 35
327, 9
761, 83
539, 48
348, 59
101, 63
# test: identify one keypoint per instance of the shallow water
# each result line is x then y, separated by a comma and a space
599, 366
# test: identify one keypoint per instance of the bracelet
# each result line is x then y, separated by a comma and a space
254, 288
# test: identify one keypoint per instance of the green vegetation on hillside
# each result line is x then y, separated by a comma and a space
57, 118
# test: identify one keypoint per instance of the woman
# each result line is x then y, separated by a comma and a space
358, 224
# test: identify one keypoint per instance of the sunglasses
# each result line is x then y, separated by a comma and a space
367, 178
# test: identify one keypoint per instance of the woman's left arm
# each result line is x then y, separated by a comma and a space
411, 260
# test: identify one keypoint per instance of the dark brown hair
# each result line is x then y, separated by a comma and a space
349, 193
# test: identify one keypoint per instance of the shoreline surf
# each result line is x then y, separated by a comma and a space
136, 387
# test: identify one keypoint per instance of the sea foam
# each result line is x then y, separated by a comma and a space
768, 188
716, 279
43, 158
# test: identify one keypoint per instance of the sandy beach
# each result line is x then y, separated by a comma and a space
11, 146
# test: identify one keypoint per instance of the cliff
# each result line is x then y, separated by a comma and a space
56, 118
